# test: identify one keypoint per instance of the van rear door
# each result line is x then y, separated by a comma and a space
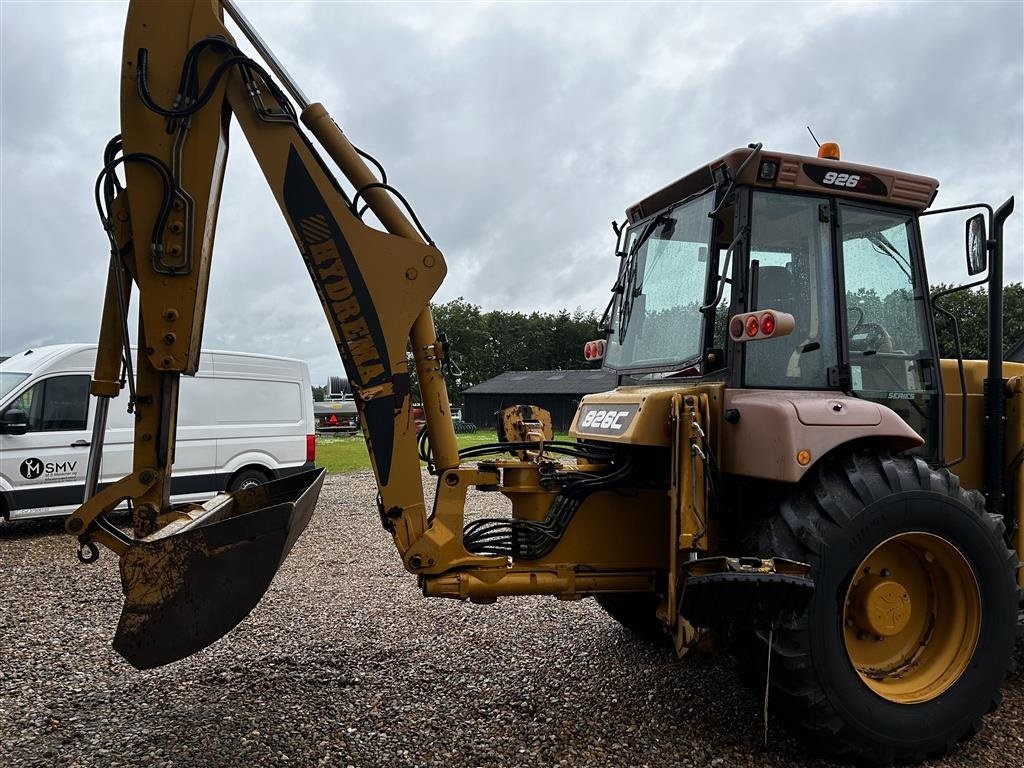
46, 466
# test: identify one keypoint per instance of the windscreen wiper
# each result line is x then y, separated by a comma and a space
882, 244
629, 275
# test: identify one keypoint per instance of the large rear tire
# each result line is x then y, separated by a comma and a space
912, 624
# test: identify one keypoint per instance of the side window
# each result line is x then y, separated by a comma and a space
888, 344
790, 239
57, 404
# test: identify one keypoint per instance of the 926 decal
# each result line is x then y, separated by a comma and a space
863, 182
841, 179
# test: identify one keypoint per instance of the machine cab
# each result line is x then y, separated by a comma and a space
834, 245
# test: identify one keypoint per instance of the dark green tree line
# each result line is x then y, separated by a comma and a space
971, 310
484, 344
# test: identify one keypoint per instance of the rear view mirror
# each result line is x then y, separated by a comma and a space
977, 245
14, 422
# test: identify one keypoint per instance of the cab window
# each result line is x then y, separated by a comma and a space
885, 304
790, 240
60, 403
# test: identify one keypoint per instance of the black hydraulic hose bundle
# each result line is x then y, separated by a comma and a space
533, 539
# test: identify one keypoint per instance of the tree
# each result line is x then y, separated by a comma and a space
319, 394
970, 308
484, 344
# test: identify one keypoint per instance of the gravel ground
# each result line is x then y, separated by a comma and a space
344, 664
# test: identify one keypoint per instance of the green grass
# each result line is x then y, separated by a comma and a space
348, 454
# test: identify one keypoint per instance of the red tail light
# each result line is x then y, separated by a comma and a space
752, 326
310, 447
594, 350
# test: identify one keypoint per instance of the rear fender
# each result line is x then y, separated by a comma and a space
776, 435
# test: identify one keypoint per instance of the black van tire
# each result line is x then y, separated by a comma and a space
247, 477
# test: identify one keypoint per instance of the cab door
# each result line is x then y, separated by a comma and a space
890, 346
46, 465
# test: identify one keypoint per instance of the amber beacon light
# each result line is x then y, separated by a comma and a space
829, 151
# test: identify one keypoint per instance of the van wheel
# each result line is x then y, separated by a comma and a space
911, 627
247, 478
636, 612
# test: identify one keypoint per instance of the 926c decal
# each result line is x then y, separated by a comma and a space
611, 419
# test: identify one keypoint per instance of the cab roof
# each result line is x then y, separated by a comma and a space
798, 173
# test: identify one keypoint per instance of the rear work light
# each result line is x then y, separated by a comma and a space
763, 324
594, 350
310, 447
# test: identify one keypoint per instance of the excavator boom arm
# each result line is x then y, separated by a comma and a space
183, 78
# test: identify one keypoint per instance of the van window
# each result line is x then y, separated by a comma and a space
56, 404
9, 381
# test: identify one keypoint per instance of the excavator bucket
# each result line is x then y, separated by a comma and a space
191, 582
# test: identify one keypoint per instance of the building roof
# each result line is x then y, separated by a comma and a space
1016, 353
546, 383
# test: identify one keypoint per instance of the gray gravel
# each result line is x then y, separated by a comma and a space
344, 664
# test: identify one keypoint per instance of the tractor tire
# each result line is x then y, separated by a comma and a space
911, 627
636, 612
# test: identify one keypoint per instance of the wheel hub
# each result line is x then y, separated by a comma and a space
912, 617
880, 606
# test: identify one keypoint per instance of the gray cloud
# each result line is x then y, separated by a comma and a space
518, 132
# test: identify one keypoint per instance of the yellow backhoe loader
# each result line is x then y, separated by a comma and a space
786, 459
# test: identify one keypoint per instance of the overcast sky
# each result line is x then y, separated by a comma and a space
518, 131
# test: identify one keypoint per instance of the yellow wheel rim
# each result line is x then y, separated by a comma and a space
912, 617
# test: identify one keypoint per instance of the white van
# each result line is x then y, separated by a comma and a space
243, 419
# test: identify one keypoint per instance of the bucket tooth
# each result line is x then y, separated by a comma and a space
191, 582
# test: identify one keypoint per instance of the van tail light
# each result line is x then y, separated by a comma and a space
310, 447
763, 324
